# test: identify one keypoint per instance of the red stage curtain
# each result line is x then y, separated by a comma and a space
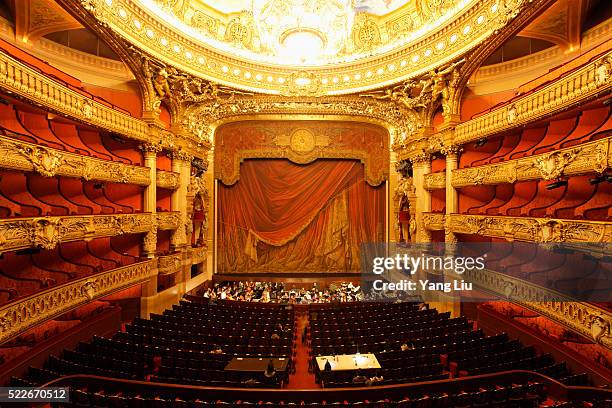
285, 217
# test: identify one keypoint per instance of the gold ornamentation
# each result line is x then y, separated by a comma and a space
576, 88
583, 318
45, 161
149, 243
527, 229
434, 221
198, 255
47, 232
551, 165
17, 317
168, 179
434, 181
582, 159
168, 220
250, 74
23, 81
366, 34
167, 265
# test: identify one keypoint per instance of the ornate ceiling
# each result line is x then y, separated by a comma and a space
305, 47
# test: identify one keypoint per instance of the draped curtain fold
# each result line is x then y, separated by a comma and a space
287, 217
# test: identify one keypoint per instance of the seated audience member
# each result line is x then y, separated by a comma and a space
216, 351
359, 378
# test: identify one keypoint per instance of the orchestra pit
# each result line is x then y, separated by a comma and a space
306, 203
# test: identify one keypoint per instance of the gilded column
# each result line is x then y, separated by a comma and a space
421, 165
150, 197
452, 196
181, 164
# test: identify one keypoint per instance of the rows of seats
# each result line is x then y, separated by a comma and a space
189, 344
32, 195
437, 345
25, 272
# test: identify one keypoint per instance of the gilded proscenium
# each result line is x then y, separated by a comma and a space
465, 31
19, 79
434, 221
168, 179
21, 315
581, 317
590, 81
435, 181
592, 157
48, 232
23, 156
167, 265
528, 229
204, 119
168, 220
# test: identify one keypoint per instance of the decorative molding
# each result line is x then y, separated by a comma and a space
204, 119
19, 79
168, 220
167, 265
412, 57
434, 221
435, 181
199, 255
21, 315
48, 232
527, 229
23, 156
591, 157
581, 317
301, 142
168, 179
576, 88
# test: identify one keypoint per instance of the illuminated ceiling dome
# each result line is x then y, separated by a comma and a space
305, 47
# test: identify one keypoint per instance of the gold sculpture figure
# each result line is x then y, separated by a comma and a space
399, 94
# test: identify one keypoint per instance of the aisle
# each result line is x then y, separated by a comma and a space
302, 379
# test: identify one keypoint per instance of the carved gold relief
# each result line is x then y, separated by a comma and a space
527, 229
434, 221
168, 220
576, 88
18, 155
17, 317
581, 317
47, 232
168, 179
170, 264
435, 181
585, 158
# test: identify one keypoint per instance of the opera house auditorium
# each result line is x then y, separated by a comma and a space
344, 203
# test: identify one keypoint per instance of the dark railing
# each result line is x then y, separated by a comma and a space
187, 392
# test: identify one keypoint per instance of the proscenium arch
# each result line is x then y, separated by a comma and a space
374, 152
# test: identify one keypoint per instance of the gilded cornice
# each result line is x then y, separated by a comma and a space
168, 220
23, 156
529, 229
21, 315
435, 181
168, 179
203, 119
48, 232
434, 221
584, 84
167, 265
592, 157
584, 318
444, 44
